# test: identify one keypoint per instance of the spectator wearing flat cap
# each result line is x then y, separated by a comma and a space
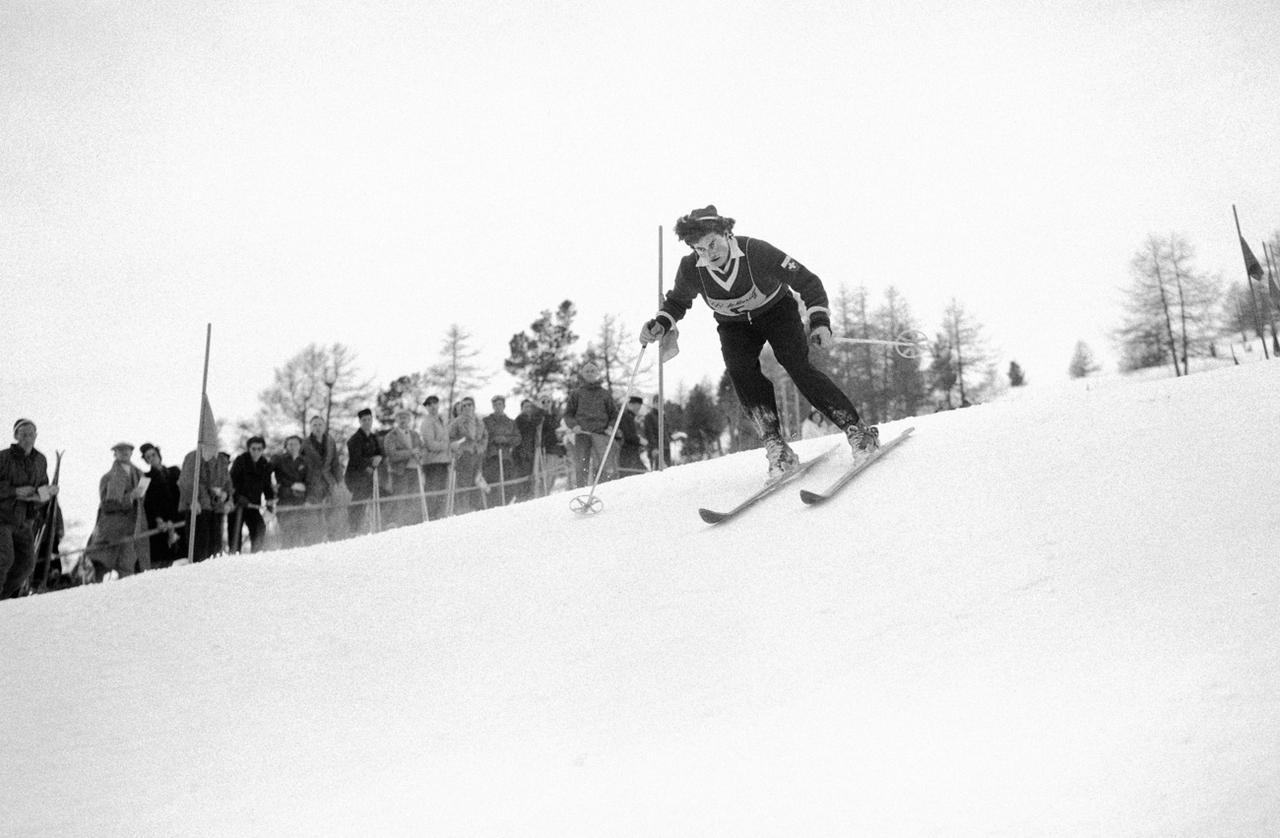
112, 547
364, 455
404, 451
437, 457
160, 505
504, 436
24, 492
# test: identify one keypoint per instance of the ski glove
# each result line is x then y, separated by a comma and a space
821, 337
653, 330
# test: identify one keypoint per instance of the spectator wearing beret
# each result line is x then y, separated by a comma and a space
24, 492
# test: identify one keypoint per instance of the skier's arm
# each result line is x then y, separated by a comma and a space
675, 304
791, 273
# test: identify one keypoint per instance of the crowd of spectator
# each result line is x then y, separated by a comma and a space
427, 466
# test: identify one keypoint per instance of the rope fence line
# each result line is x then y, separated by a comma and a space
447, 494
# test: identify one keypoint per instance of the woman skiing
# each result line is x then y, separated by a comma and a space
747, 283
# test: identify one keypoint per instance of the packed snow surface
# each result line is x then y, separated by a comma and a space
1051, 615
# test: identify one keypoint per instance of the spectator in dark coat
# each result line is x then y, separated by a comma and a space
160, 505
651, 435
24, 489
629, 461
298, 483
364, 455
251, 484
589, 413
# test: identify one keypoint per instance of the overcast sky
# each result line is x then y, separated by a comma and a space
370, 173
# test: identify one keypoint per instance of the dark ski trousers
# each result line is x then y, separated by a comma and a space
741, 344
17, 557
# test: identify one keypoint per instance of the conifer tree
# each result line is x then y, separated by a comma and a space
1082, 361
456, 372
540, 358
703, 424
317, 381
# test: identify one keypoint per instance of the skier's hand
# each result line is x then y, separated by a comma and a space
652, 331
821, 337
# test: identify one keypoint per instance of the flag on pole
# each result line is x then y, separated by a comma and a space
208, 427
1251, 265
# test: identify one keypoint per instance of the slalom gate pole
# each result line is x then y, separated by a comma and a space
589, 504
195, 482
662, 395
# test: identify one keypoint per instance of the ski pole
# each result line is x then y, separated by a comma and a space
589, 504
502, 480
422, 493
51, 526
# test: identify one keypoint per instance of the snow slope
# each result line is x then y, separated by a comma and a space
1053, 615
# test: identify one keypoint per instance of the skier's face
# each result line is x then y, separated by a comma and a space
26, 436
713, 247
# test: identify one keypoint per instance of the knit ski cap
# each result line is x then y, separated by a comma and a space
18, 425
